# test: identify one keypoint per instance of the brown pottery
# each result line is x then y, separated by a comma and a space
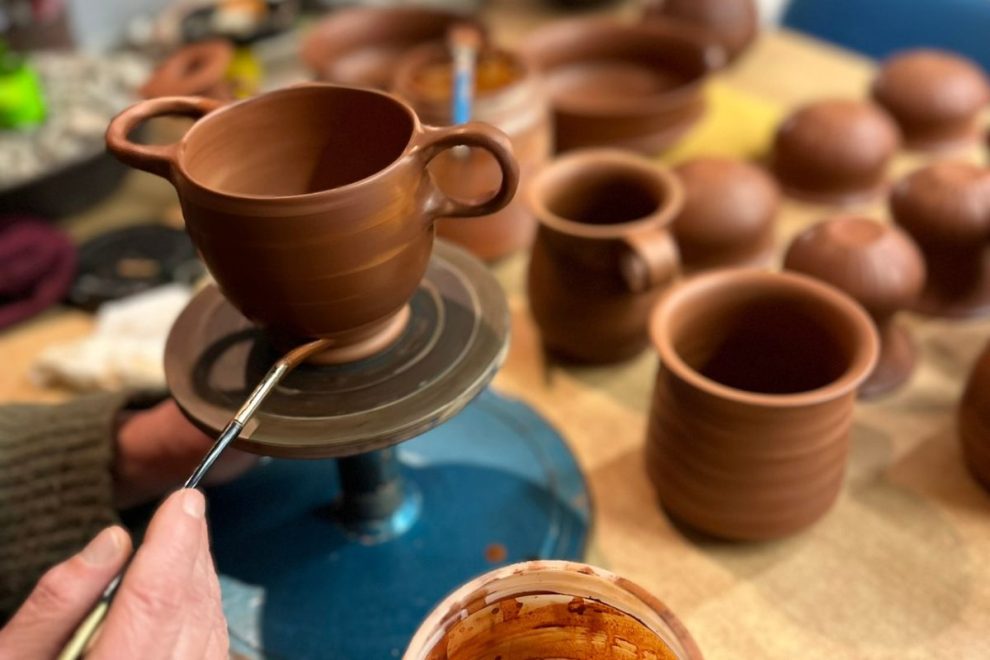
974, 419
728, 214
945, 207
636, 87
508, 95
311, 205
735, 23
603, 252
936, 97
835, 152
881, 268
749, 427
551, 609
199, 69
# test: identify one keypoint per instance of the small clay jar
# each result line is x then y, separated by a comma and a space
749, 427
735, 23
199, 69
508, 95
728, 214
551, 609
603, 252
835, 152
945, 207
881, 268
974, 419
935, 97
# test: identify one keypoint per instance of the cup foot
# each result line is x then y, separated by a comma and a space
378, 340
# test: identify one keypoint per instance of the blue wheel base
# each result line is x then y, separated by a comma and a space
497, 485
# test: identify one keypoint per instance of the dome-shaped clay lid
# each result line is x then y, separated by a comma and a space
198, 69
878, 265
735, 23
946, 201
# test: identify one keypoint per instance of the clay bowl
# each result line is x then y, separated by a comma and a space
881, 268
636, 87
936, 97
835, 152
199, 69
551, 609
728, 214
734, 23
974, 419
364, 45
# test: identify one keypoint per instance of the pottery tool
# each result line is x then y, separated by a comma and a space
465, 41
79, 643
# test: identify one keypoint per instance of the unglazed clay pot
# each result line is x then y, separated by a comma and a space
510, 96
945, 207
835, 152
881, 268
728, 214
636, 87
199, 69
551, 609
974, 419
735, 23
936, 97
311, 205
749, 427
603, 252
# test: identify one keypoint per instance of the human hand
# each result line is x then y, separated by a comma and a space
168, 605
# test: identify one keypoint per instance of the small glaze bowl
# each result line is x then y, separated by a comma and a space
835, 152
735, 23
936, 97
728, 214
974, 419
199, 69
636, 87
551, 609
881, 268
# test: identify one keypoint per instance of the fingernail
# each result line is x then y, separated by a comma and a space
193, 502
105, 548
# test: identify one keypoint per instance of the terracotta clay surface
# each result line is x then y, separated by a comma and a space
881, 268
974, 419
311, 205
728, 214
935, 96
749, 427
945, 207
637, 87
835, 151
603, 252
199, 69
735, 23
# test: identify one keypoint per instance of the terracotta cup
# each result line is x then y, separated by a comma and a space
311, 205
551, 609
749, 428
198, 69
974, 419
603, 252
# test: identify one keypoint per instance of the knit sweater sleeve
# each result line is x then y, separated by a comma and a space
56, 489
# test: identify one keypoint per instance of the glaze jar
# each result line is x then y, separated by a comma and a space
974, 419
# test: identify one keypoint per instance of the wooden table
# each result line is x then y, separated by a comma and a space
898, 569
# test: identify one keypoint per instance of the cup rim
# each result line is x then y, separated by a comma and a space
860, 365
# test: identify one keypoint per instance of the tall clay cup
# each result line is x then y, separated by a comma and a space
749, 428
312, 205
603, 252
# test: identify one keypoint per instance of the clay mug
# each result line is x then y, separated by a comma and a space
974, 419
311, 205
603, 252
749, 426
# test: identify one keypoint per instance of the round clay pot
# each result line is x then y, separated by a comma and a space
311, 205
974, 419
199, 69
728, 214
945, 207
508, 95
835, 152
735, 23
603, 252
936, 97
364, 45
882, 269
636, 87
749, 428
551, 609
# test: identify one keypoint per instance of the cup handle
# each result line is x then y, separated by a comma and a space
473, 134
651, 259
154, 158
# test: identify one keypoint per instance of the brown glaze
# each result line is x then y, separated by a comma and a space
735, 23
945, 207
936, 97
835, 151
637, 87
728, 215
364, 45
881, 268
749, 427
311, 205
602, 253
974, 419
510, 96
199, 69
